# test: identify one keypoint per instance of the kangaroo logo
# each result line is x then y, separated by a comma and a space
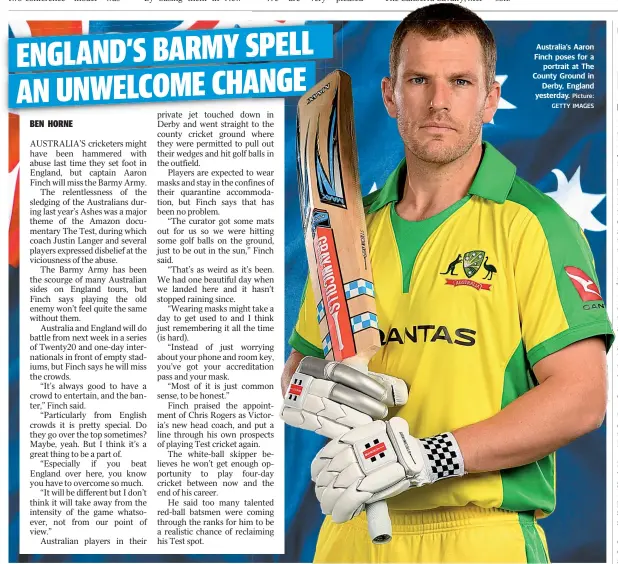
451, 267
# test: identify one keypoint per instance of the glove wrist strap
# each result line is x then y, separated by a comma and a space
444, 458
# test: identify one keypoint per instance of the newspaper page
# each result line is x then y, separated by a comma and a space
171, 200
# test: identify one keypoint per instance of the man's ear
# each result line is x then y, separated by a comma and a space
491, 102
388, 96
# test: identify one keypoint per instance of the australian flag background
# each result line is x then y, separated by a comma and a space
561, 151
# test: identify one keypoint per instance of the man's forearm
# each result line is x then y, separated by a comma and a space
536, 424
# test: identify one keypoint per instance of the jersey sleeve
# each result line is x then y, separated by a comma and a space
305, 337
558, 291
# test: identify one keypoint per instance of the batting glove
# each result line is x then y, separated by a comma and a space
330, 398
378, 461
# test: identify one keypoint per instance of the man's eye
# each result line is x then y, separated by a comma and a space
462, 82
417, 80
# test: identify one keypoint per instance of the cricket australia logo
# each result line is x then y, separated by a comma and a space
471, 262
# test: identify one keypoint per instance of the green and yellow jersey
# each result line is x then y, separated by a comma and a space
468, 302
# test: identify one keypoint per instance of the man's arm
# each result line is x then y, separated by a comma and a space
291, 364
569, 401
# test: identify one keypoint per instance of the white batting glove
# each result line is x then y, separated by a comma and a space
378, 461
330, 398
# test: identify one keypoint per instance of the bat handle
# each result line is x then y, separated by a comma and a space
378, 519
379, 522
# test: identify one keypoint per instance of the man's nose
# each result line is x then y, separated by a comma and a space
439, 95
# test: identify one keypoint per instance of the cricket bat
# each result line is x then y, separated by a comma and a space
336, 237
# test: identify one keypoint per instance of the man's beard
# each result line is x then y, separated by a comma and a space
435, 153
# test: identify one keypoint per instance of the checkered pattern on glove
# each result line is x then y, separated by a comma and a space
444, 457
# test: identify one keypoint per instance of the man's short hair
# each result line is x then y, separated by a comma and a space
440, 21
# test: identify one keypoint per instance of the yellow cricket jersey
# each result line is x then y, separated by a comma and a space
467, 303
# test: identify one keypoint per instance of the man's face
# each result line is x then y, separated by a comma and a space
440, 97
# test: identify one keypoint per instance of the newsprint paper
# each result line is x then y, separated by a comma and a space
160, 238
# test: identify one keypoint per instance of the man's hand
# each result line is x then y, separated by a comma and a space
378, 461
330, 398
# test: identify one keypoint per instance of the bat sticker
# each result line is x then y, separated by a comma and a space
330, 187
303, 177
332, 290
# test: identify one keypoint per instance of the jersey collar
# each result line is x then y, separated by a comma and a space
493, 180
495, 176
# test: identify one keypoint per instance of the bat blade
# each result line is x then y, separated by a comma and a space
335, 234
334, 221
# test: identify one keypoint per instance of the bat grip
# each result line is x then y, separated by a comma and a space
378, 519
379, 522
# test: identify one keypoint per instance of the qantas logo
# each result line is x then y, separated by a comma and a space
429, 334
586, 288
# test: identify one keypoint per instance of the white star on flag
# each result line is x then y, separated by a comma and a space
373, 188
577, 203
502, 103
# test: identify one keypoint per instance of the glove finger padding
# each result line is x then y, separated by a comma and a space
312, 422
324, 457
396, 389
342, 503
306, 405
353, 387
324, 478
390, 492
350, 504
387, 477
351, 475
342, 460
356, 380
354, 435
